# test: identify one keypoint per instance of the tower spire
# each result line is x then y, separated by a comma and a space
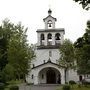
49, 11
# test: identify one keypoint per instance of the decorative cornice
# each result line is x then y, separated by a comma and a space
51, 30
49, 47
48, 17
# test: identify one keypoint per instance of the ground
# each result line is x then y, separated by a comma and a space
38, 87
50, 87
23, 86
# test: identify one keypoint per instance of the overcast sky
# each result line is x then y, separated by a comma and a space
69, 15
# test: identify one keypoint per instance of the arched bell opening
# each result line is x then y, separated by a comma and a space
49, 24
49, 39
42, 38
57, 38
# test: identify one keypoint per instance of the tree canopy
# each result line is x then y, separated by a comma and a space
15, 51
82, 46
66, 56
85, 3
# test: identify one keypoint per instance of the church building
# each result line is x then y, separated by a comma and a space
45, 68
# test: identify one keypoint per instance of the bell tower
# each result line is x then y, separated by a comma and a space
50, 36
49, 21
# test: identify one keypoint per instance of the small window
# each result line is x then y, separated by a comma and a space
32, 76
49, 23
33, 65
42, 76
50, 53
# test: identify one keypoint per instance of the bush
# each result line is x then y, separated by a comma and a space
14, 88
85, 83
79, 85
71, 82
2, 86
66, 87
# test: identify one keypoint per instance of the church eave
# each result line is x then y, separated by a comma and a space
51, 30
49, 47
49, 16
46, 63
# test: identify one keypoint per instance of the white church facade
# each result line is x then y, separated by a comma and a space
45, 67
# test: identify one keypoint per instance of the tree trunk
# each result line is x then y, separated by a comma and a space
18, 76
24, 78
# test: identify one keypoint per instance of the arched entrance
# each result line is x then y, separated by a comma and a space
51, 76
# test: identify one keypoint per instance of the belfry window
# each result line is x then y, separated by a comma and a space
42, 37
49, 39
57, 36
49, 24
49, 36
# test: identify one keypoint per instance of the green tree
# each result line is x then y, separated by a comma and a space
8, 73
3, 49
14, 49
82, 51
6, 31
85, 3
19, 52
66, 56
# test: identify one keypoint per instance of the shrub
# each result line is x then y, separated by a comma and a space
14, 88
71, 82
85, 83
79, 85
2, 86
66, 87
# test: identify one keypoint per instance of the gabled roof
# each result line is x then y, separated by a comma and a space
46, 63
48, 17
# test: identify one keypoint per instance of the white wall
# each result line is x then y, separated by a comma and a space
43, 54
73, 75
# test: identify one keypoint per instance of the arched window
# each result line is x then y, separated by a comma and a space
49, 24
32, 76
42, 37
49, 37
57, 36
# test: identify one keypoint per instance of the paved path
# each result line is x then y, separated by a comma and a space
38, 87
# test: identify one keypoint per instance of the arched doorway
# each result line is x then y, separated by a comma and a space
51, 76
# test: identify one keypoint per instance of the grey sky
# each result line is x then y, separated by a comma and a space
69, 15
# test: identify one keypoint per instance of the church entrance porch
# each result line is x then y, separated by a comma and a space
49, 75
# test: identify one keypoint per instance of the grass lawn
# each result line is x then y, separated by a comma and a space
75, 87
11, 83
80, 88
